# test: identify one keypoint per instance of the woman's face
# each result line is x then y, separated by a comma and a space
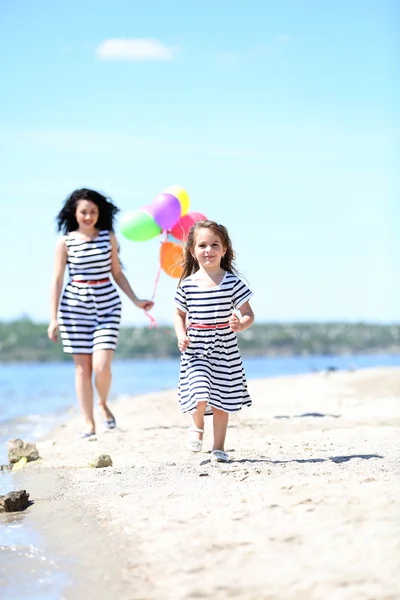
87, 214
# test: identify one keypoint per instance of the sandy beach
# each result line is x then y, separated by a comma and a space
308, 508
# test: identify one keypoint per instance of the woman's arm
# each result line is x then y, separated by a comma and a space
247, 318
121, 280
56, 288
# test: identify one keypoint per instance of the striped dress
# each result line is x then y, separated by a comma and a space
90, 309
211, 367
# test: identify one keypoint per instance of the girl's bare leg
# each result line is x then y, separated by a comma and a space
84, 388
220, 424
198, 419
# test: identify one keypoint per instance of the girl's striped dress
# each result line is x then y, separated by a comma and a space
211, 367
90, 309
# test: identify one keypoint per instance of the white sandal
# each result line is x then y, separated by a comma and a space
194, 444
219, 456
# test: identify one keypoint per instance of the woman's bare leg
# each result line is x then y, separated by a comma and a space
103, 377
84, 389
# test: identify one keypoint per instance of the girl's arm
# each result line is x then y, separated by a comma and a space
121, 280
56, 288
180, 329
247, 318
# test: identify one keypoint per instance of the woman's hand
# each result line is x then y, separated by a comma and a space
52, 330
183, 343
145, 304
234, 323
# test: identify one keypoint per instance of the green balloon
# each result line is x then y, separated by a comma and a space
139, 226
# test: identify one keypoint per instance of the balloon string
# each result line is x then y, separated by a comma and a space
153, 322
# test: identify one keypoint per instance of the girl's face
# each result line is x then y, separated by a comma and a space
87, 214
208, 249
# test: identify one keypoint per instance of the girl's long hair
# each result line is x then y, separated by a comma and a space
190, 264
66, 220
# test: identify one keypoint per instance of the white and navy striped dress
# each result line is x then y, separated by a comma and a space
211, 367
90, 309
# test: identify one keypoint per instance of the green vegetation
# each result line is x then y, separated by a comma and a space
24, 340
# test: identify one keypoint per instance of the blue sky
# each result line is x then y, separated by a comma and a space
280, 119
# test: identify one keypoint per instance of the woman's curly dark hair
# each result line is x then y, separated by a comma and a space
66, 220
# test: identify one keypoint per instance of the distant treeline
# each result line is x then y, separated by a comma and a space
24, 340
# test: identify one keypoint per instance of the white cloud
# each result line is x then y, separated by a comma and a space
135, 49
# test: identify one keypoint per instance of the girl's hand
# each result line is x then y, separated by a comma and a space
145, 304
234, 323
52, 331
183, 343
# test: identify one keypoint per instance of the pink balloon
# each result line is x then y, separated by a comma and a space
166, 210
180, 231
197, 216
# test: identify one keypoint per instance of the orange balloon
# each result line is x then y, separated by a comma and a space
171, 259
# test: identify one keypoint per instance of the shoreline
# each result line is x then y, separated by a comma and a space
315, 451
246, 354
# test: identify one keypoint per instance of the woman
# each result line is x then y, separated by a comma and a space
89, 314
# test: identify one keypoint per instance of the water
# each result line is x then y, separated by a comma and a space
26, 568
35, 397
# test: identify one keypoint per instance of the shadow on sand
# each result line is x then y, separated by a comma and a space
335, 459
308, 414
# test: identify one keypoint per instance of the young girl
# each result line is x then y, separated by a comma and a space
212, 378
89, 313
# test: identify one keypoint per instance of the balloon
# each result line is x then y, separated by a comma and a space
171, 257
139, 226
149, 209
182, 195
181, 229
166, 210
196, 216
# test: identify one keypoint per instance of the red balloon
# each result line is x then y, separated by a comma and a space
181, 229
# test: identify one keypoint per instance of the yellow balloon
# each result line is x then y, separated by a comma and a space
182, 195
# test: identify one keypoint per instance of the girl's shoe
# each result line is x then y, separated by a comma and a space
219, 456
194, 444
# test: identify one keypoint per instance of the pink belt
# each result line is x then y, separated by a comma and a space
91, 282
205, 326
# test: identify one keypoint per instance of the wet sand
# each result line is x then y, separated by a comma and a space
307, 509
